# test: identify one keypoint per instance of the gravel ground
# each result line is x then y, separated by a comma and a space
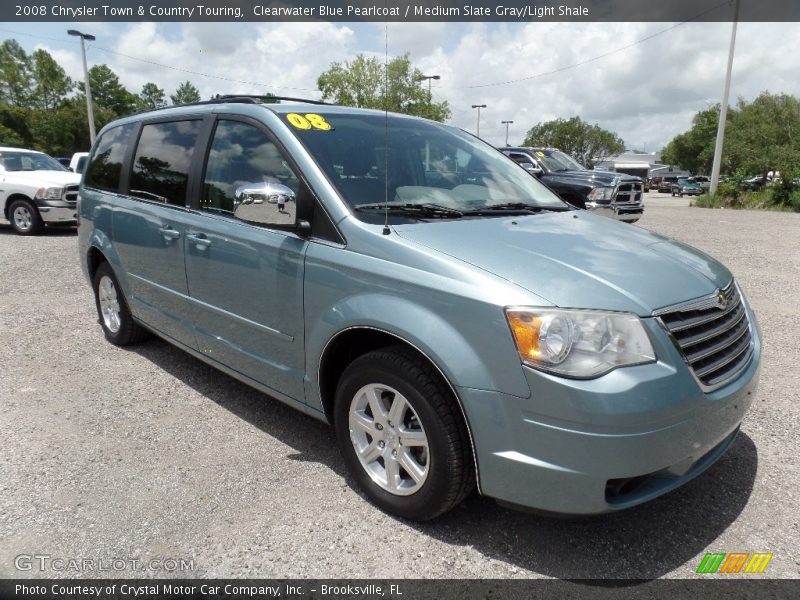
148, 453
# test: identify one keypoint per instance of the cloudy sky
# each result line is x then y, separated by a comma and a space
644, 81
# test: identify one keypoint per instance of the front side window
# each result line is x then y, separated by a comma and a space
246, 173
105, 167
162, 161
376, 161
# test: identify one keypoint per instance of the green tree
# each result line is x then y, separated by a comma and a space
587, 143
765, 134
693, 150
14, 126
50, 82
151, 96
185, 94
368, 83
15, 74
107, 92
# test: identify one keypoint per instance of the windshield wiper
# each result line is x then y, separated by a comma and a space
514, 208
433, 211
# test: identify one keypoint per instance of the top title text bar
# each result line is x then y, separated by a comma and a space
396, 11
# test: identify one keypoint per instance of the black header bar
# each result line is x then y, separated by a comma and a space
396, 11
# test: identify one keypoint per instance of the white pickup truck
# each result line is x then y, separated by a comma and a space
36, 190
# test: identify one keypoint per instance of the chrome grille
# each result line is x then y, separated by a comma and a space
713, 336
629, 193
71, 193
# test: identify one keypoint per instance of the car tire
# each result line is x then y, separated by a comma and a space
25, 218
112, 310
680, 194
402, 434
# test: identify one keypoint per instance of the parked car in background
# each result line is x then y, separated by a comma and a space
685, 187
615, 195
665, 184
36, 190
702, 180
451, 317
755, 183
77, 164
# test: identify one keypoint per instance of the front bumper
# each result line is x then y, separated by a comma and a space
57, 211
620, 212
601, 445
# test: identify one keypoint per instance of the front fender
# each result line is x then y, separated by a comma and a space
463, 363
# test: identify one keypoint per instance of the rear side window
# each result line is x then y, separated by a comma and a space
162, 161
104, 170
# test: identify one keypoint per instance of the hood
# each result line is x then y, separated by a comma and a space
577, 259
43, 178
595, 178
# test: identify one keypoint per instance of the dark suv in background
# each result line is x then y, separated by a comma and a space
616, 195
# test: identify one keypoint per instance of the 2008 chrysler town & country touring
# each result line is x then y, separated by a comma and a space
454, 320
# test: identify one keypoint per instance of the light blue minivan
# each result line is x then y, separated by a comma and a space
456, 322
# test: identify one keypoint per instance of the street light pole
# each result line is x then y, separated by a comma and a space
87, 87
479, 107
429, 77
723, 111
506, 123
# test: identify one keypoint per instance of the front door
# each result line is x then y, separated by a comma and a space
246, 281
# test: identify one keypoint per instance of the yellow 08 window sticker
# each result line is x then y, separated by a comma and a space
308, 121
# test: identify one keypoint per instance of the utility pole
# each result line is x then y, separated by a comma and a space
723, 111
479, 107
506, 123
86, 86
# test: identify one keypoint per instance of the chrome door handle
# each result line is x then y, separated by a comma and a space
201, 241
169, 234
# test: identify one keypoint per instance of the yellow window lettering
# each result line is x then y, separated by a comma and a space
298, 121
310, 120
318, 121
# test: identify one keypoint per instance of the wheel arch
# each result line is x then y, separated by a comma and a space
94, 257
13, 198
349, 344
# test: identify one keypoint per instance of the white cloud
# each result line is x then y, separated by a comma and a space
647, 92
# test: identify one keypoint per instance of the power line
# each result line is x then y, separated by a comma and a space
595, 58
198, 73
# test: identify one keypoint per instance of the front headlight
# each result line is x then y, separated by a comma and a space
600, 194
577, 343
53, 193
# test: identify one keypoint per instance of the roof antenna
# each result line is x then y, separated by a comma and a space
386, 230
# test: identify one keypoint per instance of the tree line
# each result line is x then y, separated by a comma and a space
44, 109
760, 136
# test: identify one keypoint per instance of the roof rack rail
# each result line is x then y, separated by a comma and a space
234, 98
255, 99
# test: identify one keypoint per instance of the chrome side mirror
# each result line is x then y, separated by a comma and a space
265, 203
531, 168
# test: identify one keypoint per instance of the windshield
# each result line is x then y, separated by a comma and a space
29, 161
413, 164
555, 160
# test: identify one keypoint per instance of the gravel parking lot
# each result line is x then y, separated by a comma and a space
148, 453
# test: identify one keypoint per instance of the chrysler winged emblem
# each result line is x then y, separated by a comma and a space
722, 301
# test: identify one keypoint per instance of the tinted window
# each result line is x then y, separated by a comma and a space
162, 161
104, 170
242, 154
